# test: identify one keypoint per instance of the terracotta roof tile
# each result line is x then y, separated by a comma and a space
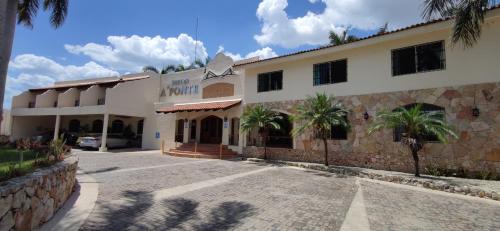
208, 106
88, 84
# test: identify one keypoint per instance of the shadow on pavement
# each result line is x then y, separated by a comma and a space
99, 170
178, 213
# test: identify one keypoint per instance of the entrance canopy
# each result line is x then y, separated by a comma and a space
206, 106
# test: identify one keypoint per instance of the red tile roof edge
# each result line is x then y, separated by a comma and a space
88, 83
202, 106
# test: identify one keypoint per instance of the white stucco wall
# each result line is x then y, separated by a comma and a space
46, 99
68, 98
369, 65
28, 126
6, 124
89, 97
23, 100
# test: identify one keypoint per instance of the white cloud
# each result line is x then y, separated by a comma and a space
263, 53
313, 28
31, 71
132, 53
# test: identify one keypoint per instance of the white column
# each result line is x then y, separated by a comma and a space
225, 131
104, 136
186, 131
57, 126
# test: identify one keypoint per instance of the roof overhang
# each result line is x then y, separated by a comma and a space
203, 106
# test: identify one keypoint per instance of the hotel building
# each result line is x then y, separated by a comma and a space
197, 112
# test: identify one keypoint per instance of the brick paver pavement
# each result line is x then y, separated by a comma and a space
148, 191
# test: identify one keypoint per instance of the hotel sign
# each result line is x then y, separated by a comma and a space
182, 87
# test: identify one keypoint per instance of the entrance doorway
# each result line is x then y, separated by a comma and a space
179, 131
211, 130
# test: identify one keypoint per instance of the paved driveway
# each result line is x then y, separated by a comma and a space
148, 191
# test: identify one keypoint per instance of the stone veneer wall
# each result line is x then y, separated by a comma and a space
478, 148
27, 202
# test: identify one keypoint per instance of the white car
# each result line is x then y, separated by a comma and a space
95, 142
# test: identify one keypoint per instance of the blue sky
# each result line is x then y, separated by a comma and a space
103, 38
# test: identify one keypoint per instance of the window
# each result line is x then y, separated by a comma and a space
74, 126
97, 126
117, 126
425, 108
330, 72
420, 58
338, 132
271, 81
140, 127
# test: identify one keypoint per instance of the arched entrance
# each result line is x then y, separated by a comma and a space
234, 136
211, 130
281, 138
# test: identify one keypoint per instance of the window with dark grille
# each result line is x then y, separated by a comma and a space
330, 72
271, 81
338, 132
420, 58
426, 108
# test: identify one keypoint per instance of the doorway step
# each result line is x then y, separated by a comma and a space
205, 151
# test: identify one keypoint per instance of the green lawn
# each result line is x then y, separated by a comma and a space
9, 162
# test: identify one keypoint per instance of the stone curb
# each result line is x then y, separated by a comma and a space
435, 184
28, 201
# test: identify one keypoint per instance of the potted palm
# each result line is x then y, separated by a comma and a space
261, 118
319, 114
415, 125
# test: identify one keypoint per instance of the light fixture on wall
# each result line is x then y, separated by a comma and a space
475, 111
366, 116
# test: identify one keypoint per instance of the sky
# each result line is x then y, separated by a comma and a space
115, 37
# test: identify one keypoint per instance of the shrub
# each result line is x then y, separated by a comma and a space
58, 149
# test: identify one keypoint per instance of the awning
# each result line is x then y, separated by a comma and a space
207, 106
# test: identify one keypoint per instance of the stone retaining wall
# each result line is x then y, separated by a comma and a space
31, 200
478, 148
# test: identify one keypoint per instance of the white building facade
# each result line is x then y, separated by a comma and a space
198, 111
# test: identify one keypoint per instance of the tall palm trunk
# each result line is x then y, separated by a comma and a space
414, 153
8, 11
265, 146
325, 142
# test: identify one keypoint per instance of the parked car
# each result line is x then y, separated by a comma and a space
95, 142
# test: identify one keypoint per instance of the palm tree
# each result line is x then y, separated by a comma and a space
261, 118
468, 14
383, 29
339, 39
165, 70
319, 114
25, 11
415, 124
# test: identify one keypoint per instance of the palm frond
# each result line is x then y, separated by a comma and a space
150, 69
259, 117
469, 16
415, 123
383, 29
59, 11
319, 114
437, 8
26, 11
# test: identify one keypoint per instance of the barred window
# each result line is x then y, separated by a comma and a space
271, 81
420, 58
330, 72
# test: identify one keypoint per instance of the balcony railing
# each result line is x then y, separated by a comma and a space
101, 101
77, 103
31, 104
